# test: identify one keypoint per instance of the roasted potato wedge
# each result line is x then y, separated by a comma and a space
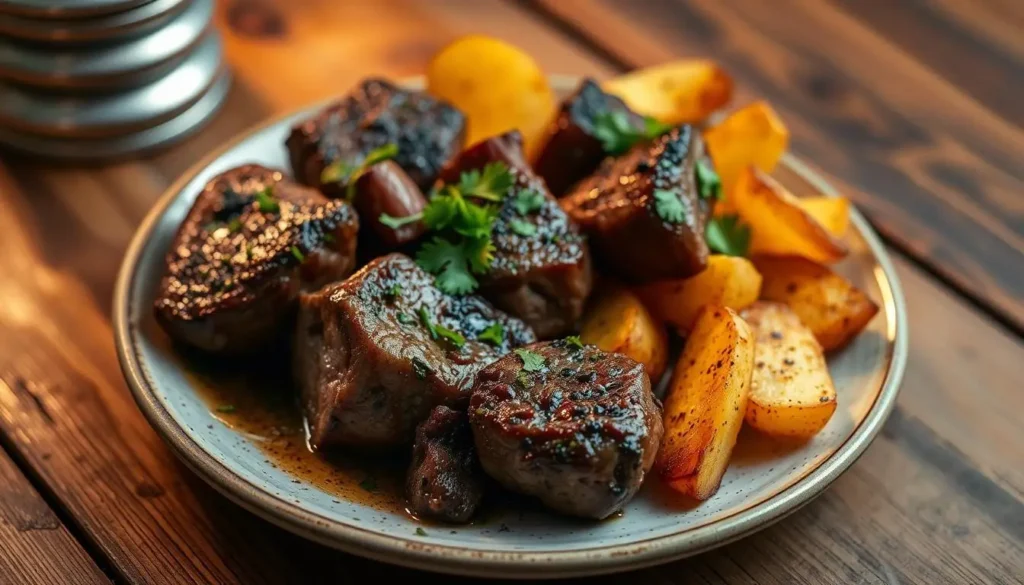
730, 281
833, 213
678, 92
617, 321
754, 136
778, 224
791, 391
706, 402
828, 304
498, 86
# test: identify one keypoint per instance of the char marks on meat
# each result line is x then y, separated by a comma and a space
250, 244
445, 481
541, 270
572, 149
373, 354
579, 431
427, 131
617, 207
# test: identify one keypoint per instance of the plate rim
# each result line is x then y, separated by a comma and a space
420, 554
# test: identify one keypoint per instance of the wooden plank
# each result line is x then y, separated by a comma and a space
938, 172
35, 548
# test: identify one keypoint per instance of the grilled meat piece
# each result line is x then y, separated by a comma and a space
618, 207
541, 271
427, 131
251, 243
580, 433
386, 189
572, 149
445, 481
372, 359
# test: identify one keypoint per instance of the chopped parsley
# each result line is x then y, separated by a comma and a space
528, 201
450, 263
298, 254
341, 171
439, 331
265, 201
226, 408
617, 134
397, 222
574, 341
493, 334
492, 184
522, 228
394, 292
405, 318
726, 235
709, 185
532, 362
668, 206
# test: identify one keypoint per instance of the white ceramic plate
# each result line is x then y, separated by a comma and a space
765, 481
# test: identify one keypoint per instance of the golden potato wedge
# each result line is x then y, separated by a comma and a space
706, 402
778, 224
791, 391
828, 304
685, 91
618, 322
833, 213
730, 281
497, 86
754, 136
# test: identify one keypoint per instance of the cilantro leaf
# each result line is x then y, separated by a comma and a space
493, 334
527, 201
405, 318
454, 337
338, 171
425, 319
442, 209
668, 206
448, 262
653, 128
492, 184
523, 228
394, 292
709, 185
726, 235
298, 254
397, 222
480, 254
380, 154
532, 362
614, 132
574, 341
475, 221
342, 171
265, 201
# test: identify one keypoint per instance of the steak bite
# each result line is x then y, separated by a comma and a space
573, 148
445, 481
570, 424
251, 243
375, 353
541, 270
427, 131
643, 211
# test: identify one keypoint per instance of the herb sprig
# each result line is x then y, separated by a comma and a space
493, 334
341, 171
617, 134
532, 362
727, 235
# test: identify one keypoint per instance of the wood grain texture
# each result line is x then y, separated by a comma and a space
936, 499
35, 548
885, 97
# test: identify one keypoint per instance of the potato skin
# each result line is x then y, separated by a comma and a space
677, 92
706, 403
778, 224
729, 281
751, 136
828, 304
791, 390
617, 321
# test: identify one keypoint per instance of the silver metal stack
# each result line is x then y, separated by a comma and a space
94, 79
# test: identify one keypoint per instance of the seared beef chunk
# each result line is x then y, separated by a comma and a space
386, 189
445, 481
643, 212
541, 270
572, 425
375, 353
251, 243
572, 149
427, 132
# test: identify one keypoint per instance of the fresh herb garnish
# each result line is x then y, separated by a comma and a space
532, 362
617, 134
668, 206
450, 263
522, 228
425, 320
405, 318
654, 128
493, 334
226, 408
369, 483
453, 337
420, 368
341, 171
523, 379
397, 222
709, 185
727, 235
394, 292
574, 341
492, 184
265, 201
420, 531
528, 201
298, 254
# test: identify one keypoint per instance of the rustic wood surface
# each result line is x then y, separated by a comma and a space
938, 498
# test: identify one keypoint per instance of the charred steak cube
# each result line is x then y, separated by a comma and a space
573, 147
541, 270
569, 424
445, 481
375, 353
251, 243
643, 211
427, 131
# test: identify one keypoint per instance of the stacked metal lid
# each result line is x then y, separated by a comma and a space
88, 79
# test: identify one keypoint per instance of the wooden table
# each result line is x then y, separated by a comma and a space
914, 109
